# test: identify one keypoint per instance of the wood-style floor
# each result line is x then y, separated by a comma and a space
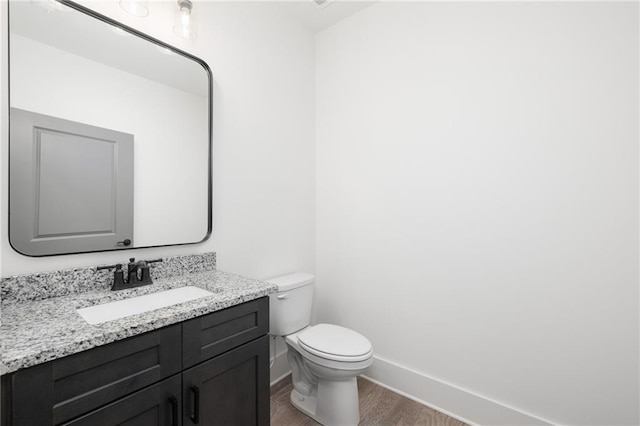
378, 406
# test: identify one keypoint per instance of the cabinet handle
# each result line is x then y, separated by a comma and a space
174, 410
195, 414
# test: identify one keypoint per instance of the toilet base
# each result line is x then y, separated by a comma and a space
336, 403
306, 404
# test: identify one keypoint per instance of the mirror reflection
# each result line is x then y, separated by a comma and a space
109, 136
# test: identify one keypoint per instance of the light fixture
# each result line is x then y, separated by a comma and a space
184, 26
139, 8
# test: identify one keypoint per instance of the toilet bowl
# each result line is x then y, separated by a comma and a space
325, 359
324, 369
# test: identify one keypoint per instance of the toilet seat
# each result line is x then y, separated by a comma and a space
335, 343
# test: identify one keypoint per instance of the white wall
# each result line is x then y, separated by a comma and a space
477, 200
262, 63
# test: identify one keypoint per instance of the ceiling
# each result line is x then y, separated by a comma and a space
319, 18
60, 29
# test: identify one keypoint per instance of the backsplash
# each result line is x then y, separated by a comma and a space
43, 285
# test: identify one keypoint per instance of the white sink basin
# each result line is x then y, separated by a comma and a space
136, 305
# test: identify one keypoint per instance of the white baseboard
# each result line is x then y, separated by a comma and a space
280, 368
451, 400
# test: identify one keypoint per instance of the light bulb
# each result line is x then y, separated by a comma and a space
184, 22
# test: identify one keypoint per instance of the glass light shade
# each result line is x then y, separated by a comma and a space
138, 8
184, 26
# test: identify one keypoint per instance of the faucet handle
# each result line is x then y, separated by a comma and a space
117, 266
144, 268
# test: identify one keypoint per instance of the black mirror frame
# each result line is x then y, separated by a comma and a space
159, 43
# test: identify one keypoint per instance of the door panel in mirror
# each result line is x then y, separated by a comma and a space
70, 64
72, 185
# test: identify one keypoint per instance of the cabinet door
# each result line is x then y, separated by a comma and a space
157, 405
231, 389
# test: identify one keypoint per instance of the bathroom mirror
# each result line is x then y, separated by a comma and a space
109, 135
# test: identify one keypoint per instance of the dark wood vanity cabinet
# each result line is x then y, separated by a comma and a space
210, 370
212, 394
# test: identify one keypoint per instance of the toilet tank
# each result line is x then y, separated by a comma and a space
290, 306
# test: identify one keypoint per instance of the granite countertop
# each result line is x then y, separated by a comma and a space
37, 331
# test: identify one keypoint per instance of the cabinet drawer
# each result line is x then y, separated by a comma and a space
156, 405
210, 335
70, 386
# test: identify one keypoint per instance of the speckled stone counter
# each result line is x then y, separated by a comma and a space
37, 331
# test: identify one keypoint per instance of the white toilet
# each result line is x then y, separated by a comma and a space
325, 359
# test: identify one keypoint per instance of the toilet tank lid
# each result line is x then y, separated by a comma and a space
291, 281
